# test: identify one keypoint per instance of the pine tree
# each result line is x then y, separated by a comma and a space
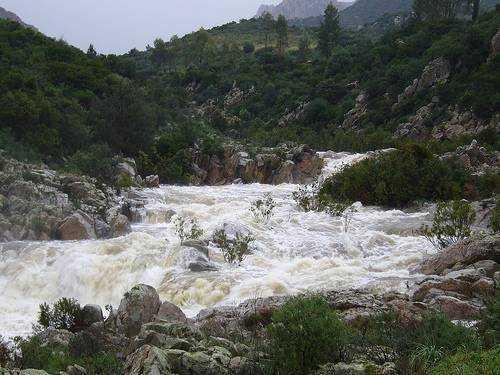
329, 31
91, 52
304, 44
282, 32
268, 25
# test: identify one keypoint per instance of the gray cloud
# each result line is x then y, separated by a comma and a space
116, 26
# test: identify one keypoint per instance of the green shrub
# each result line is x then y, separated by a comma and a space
65, 313
397, 178
452, 223
470, 363
234, 250
304, 334
416, 346
262, 209
187, 229
489, 327
97, 162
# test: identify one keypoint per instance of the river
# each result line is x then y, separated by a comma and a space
295, 251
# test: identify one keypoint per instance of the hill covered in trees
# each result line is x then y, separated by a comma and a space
251, 82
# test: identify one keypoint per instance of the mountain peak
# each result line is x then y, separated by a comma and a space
5, 14
293, 9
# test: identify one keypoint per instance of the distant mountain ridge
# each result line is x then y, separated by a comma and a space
6, 15
293, 9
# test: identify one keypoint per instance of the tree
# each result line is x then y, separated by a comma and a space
329, 31
248, 47
161, 53
91, 52
268, 25
437, 9
282, 32
304, 45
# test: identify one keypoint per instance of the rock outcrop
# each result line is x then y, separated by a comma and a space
353, 118
476, 158
37, 203
5, 14
283, 164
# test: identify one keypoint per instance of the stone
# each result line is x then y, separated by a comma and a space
152, 181
199, 363
173, 329
138, 306
76, 227
76, 370
33, 372
244, 366
463, 253
200, 246
53, 336
495, 44
455, 308
92, 314
201, 265
147, 360
484, 287
169, 312
120, 226
437, 71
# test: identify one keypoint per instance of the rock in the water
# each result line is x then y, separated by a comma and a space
138, 306
147, 360
120, 226
76, 227
152, 181
75, 370
463, 254
169, 312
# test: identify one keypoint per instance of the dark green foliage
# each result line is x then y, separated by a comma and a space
329, 30
398, 178
470, 363
53, 359
415, 346
304, 334
489, 328
65, 313
98, 161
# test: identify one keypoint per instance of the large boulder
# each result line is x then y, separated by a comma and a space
120, 226
92, 314
495, 44
138, 306
77, 226
169, 312
462, 254
58, 337
147, 360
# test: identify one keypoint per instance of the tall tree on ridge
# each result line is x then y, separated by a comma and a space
268, 25
282, 32
329, 31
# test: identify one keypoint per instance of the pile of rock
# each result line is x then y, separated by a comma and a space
37, 203
283, 164
475, 158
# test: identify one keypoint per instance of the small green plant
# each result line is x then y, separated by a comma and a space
306, 333
306, 197
125, 182
65, 313
452, 223
234, 250
187, 229
262, 209
470, 363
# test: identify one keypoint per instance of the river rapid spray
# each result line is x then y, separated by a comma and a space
295, 251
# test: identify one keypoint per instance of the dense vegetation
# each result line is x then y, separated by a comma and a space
406, 176
61, 103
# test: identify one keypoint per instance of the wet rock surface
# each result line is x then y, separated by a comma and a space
283, 164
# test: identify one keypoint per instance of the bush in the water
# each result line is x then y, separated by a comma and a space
452, 223
398, 178
304, 334
234, 250
187, 229
66, 313
262, 209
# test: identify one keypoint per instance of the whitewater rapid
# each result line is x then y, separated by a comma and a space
295, 251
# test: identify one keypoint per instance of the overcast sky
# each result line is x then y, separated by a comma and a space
116, 26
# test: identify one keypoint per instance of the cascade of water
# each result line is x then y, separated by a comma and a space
294, 251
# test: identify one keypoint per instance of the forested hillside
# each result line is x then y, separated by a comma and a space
62, 105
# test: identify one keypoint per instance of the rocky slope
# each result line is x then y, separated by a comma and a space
5, 14
292, 9
155, 337
283, 164
37, 203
